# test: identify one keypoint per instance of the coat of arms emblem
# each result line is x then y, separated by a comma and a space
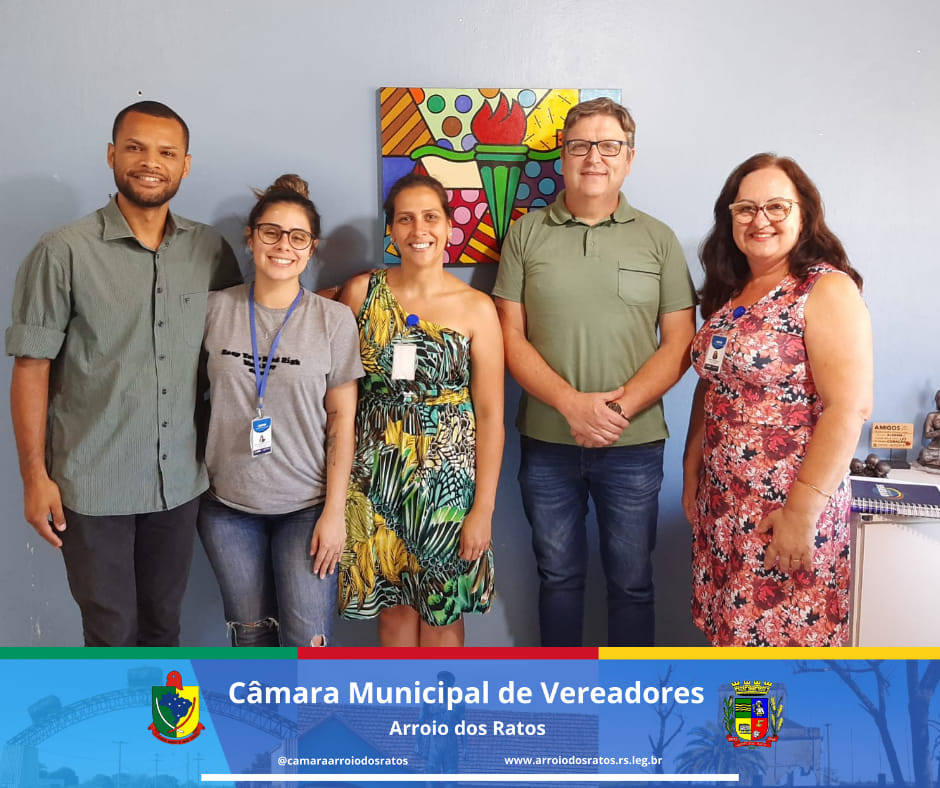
752, 713
175, 710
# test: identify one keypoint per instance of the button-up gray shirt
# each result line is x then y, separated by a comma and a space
123, 326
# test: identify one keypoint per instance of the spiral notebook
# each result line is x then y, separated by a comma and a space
889, 496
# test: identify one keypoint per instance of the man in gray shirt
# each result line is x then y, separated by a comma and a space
108, 316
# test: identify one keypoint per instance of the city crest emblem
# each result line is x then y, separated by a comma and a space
175, 710
752, 713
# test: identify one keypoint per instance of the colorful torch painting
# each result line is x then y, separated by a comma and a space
496, 150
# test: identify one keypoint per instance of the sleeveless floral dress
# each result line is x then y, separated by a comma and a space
760, 411
413, 473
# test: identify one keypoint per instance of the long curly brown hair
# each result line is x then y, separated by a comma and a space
726, 268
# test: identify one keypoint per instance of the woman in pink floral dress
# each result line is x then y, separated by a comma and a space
786, 383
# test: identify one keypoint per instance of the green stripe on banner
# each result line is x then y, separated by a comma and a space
222, 652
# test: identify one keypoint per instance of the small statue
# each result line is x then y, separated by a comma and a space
929, 457
872, 466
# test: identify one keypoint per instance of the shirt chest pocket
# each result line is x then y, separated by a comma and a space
638, 283
193, 317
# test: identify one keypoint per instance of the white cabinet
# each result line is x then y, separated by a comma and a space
896, 595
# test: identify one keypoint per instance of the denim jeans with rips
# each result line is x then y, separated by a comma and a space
623, 482
270, 594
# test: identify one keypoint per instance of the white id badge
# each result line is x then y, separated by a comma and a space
716, 353
261, 438
403, 361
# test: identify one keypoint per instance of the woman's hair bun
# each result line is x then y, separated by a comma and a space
290, 182
289, 188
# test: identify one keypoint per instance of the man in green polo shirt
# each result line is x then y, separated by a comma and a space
108, 316
596, 306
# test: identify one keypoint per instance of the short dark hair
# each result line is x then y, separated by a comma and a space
726, 268
602, 106
156, 110
412, 181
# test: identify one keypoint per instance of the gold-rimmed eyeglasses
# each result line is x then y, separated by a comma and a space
776, 210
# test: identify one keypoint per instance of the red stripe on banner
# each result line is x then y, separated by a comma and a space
473, 652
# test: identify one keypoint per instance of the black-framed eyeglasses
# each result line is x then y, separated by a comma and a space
604, 147
776, 210
271, 233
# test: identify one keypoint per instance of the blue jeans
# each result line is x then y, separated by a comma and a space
623, 481
270, 594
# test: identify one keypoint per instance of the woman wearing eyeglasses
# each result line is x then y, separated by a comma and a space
785, 361
283, 365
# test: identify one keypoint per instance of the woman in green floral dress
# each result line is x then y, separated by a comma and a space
429, 432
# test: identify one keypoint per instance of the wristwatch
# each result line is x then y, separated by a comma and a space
615, 407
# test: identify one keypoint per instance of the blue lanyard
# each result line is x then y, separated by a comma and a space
261, 375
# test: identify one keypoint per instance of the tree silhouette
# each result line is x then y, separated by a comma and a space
710, 752
878, 711
260, 765
99, 781
130, 780
66, 774
658, 747
920, 690
935, 748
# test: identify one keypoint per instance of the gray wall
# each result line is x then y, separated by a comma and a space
847, 88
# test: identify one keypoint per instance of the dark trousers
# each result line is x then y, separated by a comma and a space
128, 574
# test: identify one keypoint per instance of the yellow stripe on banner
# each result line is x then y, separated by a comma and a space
697, 653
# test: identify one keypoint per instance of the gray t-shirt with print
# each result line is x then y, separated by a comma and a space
318, 350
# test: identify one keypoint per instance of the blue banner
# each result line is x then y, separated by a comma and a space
178, 718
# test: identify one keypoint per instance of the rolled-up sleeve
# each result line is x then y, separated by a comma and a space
42, 304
